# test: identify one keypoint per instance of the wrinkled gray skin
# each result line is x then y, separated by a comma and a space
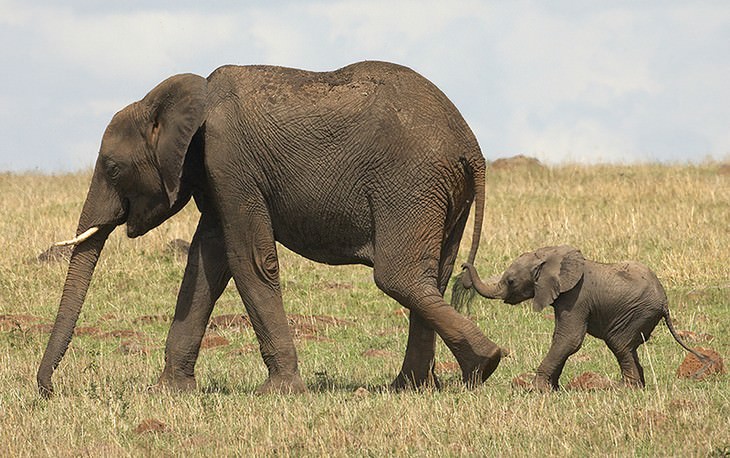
370, 164
619, 303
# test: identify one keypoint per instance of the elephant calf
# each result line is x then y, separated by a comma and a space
619, 303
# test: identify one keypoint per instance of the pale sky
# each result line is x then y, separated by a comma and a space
563, 81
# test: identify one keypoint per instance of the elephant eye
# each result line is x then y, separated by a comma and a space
112, 169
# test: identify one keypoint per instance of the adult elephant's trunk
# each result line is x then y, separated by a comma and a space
103, 210
80, 270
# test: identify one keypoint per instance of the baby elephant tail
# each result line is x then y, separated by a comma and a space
706, 360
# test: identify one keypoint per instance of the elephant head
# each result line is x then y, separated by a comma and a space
139, 179
540, 275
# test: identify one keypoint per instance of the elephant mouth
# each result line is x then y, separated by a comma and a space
513, 300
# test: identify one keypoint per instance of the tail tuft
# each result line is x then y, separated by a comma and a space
461, 296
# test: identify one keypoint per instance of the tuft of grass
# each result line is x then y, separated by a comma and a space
672, 218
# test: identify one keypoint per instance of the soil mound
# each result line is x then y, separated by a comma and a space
519, 161
589, 381
695, 369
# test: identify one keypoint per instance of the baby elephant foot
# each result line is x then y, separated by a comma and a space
280, 384
543, 384
632, 383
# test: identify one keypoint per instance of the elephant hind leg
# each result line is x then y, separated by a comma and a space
632, 374
418, 363
477, 355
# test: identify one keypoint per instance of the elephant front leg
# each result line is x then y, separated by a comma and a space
254, 264
418, 365
205, 279
567, 339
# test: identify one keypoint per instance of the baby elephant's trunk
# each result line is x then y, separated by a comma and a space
468, 283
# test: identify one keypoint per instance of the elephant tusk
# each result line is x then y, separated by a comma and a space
79, 238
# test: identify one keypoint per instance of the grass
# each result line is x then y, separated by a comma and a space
673, 218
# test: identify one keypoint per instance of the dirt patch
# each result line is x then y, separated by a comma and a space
581, 358
305, 327
317, 320
695, 369
649, 420
312, 337
151, 425
245, 349
42, 328
682, 404
724, 169
448, 366
134, 347
691, 336
17, 322
590, 381
55, 254
178, 247
87, 331
519, 161
230, 321
338, 286
122, 333
377, 353
151, 319
361, 392
214, 340
523, 381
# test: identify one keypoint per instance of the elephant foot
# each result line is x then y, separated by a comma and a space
404, 382
478, 369
633, 383
280, 384
542, 384
175, 382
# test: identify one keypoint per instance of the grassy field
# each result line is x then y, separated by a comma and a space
350, 336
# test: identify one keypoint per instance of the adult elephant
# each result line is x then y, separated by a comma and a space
368, 164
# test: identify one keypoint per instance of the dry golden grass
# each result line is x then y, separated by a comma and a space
676, 219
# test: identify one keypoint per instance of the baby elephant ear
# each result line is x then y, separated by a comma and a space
560, 270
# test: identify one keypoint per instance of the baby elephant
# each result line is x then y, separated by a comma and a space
618, 303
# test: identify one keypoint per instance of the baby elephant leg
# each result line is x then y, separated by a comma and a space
567, 339
632, 374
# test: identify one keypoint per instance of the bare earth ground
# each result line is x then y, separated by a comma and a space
350, 337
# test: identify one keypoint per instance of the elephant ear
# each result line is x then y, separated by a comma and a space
559, 270
175, 111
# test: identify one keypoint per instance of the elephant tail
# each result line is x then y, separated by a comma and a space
462, 291
703, 358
